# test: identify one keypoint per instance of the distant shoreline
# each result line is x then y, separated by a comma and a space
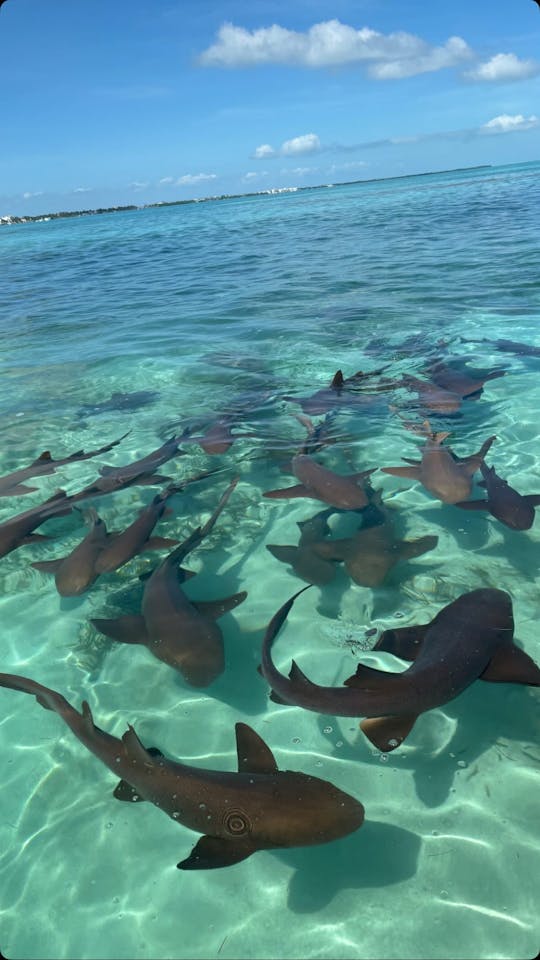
45, 217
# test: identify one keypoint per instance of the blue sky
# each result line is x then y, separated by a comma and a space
108, 102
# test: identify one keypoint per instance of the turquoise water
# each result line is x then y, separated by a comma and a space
242, 302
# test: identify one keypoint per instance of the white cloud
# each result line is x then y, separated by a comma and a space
139, 184
82, 190
165, 181
299, 171
427, 60
507, 124
265, 150
504, 66
28, 195
308, 143
329, 44
253, 175
195, 178
298, 146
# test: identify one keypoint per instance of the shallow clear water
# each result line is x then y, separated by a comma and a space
248, 301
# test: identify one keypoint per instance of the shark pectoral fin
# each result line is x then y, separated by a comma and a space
218, 608
254, 756
408, 460
284, 553
212, 852
124, 790
409, 549
472, 504
404, 642
47, 566
533, 499
387, 733
156, 543
413, 473
512, 665
34, 538
299, 490
126, 629
369, 677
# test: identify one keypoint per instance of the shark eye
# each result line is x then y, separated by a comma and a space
236, 823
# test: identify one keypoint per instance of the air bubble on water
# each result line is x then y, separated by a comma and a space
296, 740
328, 730
383, 758
461, 763
339, 743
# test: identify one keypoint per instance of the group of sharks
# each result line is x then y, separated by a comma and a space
259, 806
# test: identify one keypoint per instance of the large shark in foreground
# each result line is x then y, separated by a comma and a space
258, 808
470, 638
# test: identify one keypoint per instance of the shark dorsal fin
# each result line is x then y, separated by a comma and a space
254, 756
135, 750
296, 675
337, 381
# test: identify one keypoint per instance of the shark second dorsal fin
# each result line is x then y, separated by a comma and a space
136, 751
254, 756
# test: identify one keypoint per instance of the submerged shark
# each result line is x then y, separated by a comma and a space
13, 484
515, 510
18, 530
374, 549
471, 637
258, 808
320, 483
441, 472
179, 631
76, 572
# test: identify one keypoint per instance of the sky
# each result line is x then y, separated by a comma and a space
114, 102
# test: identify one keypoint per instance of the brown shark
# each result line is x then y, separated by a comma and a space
374, 550
514, 509
432, 396
18, 530
471, 637
509, 346
13, 484
123, 546
328, 398
218, 437
258, 808
446, 476
180, 632
304, 561
460, 383
320, 483
76, 572
146, 465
